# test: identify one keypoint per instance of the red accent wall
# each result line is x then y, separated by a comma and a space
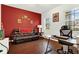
10, 16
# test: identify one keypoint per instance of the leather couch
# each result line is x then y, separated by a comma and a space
19, 37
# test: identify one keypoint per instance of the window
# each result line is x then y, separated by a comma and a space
72, 19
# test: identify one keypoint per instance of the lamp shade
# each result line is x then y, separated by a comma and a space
39, 26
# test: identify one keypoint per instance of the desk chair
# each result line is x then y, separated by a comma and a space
65, 31
66, 49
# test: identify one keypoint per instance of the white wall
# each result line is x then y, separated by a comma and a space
0, 16
55, 26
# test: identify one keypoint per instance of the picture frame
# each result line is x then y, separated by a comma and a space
47, 23
56, 17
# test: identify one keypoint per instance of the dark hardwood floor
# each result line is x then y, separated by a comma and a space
34, 47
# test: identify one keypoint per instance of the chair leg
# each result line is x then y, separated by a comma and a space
1, 50
77, 52
71, 51
60, 51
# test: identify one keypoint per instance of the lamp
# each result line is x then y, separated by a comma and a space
40, 28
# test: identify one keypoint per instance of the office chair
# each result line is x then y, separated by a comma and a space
66, 50
65, 31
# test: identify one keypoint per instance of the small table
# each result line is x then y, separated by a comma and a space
4, 45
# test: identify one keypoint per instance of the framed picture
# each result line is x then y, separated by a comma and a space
47, 23
19, 20
56, 17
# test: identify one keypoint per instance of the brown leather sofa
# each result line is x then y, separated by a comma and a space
19, 37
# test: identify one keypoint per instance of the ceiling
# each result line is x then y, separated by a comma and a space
39, 8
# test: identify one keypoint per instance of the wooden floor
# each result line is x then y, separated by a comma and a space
35, 47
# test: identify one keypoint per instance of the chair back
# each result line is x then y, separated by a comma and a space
65, 31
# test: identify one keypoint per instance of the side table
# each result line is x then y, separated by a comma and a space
4, 46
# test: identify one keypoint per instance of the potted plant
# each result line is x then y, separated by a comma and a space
1, 34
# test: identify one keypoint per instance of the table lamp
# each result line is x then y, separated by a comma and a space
40, 28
